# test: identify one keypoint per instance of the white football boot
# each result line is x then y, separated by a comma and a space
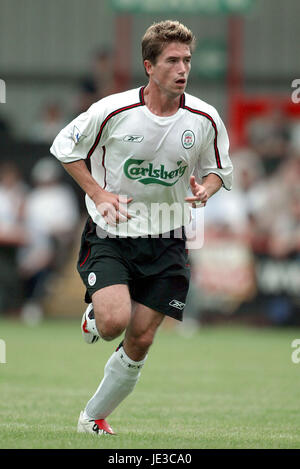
88, 326
96, 427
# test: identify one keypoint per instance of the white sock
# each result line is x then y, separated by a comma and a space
120, 377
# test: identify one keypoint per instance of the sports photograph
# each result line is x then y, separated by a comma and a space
149, 227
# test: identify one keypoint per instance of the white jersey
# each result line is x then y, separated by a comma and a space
150, 158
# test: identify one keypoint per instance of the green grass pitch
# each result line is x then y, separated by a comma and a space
223, 387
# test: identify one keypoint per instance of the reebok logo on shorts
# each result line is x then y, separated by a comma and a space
177, 304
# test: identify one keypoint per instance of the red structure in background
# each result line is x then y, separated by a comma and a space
123, 52
242, 107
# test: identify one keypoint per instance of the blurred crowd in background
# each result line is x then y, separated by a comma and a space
38, 227
249, 265
40, 216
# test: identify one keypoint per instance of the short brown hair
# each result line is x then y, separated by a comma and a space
160, 34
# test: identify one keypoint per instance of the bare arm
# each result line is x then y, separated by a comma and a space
107, 203
202, 192
212, 184
84, 179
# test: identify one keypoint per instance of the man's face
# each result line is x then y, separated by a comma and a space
171, 70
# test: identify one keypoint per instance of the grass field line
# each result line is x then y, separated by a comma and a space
221, 388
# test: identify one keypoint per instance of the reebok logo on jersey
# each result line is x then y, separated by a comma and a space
147, 174
177, 304
133, 138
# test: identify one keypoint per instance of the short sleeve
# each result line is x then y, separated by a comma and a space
214, 155
76, 140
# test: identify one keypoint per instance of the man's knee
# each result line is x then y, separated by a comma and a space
112, 309
141, 331
141, 342
111, 325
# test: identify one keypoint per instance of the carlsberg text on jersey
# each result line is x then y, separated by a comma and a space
134, 169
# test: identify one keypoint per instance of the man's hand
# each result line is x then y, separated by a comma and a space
200, 194
113, 207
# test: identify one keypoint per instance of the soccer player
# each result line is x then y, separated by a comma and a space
132, 152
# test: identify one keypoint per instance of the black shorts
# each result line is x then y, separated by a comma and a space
156, 270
